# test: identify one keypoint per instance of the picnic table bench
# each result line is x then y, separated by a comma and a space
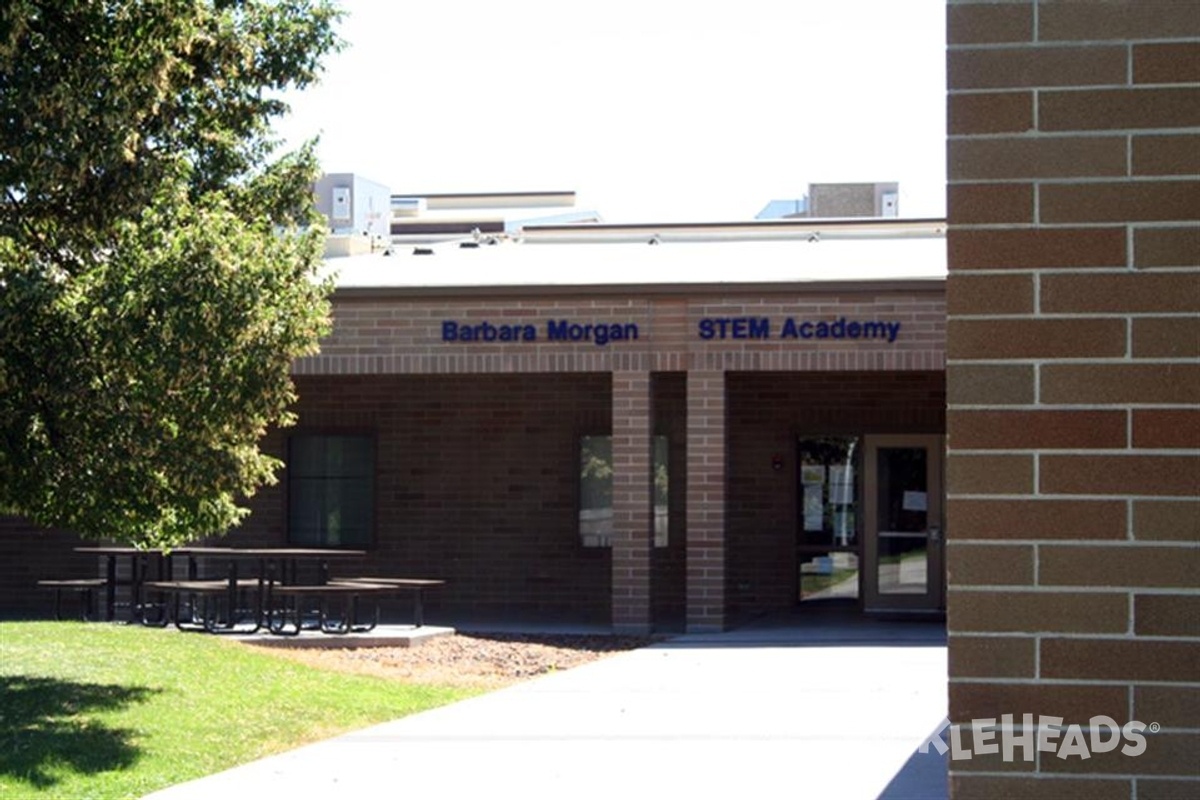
285, 613
280, 598
396, 585
86, 588
214, 596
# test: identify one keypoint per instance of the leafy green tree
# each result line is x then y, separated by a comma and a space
159, 263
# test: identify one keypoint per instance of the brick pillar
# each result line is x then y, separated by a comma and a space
705, 501
633, 527
1073, 386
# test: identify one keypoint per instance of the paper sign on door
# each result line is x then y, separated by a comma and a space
915, 501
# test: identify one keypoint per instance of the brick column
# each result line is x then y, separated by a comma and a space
633, 526
706, 501
1073, 386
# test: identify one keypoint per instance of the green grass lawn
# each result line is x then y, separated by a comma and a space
114, 711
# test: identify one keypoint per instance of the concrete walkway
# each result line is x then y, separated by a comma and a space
833, 708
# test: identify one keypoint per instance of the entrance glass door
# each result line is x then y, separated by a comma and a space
903, 566
828, 533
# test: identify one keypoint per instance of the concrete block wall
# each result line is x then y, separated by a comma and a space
1073, 381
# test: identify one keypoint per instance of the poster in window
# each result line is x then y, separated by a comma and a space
915, 501
812, 474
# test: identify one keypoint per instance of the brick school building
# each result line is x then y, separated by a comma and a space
668, 429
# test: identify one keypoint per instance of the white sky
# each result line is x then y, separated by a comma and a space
652, 110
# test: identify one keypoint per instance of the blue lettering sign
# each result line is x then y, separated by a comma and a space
486, 332
598, 333
734, 328
760, 328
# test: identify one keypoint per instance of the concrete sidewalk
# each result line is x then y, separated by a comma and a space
815, 711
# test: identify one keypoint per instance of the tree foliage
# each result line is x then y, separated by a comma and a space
158, 262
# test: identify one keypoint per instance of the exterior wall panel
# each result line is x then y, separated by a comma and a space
1073, 580
405, 335
476, 484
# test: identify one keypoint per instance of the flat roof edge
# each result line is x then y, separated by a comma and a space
932, 285
931, 226
552, 198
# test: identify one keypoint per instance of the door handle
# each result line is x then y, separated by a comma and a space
935, 534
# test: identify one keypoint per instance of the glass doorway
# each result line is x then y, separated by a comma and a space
902, 515
828, 538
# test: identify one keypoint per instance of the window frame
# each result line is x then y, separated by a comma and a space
373, 480
579, 491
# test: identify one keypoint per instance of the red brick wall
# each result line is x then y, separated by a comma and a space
475, 484
1073, 382
766, 413
632, 500
29, 554
524, 536
390, 335
707, 499
403, 334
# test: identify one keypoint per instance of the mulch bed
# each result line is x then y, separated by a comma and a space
479, 660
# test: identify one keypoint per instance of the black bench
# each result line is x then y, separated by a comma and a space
395, 585
285, 610
85, 587
216, 596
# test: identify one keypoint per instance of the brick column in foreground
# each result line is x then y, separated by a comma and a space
1074, 388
